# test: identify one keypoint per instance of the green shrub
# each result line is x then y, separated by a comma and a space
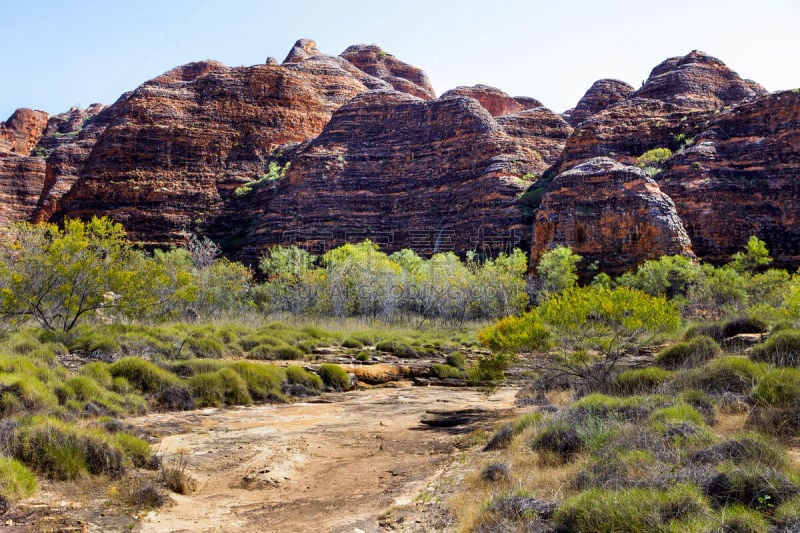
706, 330
24, 391
351, 342
787, 514
780, 387
143, 375
99, 372
223, 387
736, 326
136, 450
630, 510
654, 158
640, 381
616, 408
263, 381
457, 360
397, 348
724, 374
16, 481
334, 376
753, 486
446, 371
740, 519
363, 356
282, 351
299, 376
780, 349
63, 451
692, 353
205, 347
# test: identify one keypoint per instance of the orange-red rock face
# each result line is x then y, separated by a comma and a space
20, 133
698, 81
433, 176
21, 182
741, 178
401, 76
184, 141
608, 213
496, 102
375, 155
737, 179
602, 94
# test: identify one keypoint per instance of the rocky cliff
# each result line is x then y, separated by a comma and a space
320, 149
408, 173
732, 174
609, 213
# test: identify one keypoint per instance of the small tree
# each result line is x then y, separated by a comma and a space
591, 328
58, 277
754, 258
558, 269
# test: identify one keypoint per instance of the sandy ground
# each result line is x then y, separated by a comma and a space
339, 466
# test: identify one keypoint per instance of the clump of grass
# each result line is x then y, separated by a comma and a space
205, 347
175, 398
745, 324
297, 375
780, 387
558, 443
615, 408
780, 349
787, 514
752, 486
279, 351
334, 376
397, 348
640, 380
63, 451
16, 481
692, 353
446, 371
496, 472
527, 420
712, 330
24, 392
263, 381
501, 439
99, 372
748, 448
721, 375
134, 449
618, 468
682, 423
143, 375
223, 387
457, 360
630, 510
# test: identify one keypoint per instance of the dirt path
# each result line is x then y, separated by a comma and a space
310, 466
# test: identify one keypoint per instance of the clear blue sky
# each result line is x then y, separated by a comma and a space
60, 53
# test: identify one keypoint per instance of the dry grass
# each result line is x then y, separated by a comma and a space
528, 476
729, 424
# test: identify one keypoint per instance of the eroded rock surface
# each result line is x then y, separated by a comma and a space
611, 214
408, 173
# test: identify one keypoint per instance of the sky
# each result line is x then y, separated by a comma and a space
64, 53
